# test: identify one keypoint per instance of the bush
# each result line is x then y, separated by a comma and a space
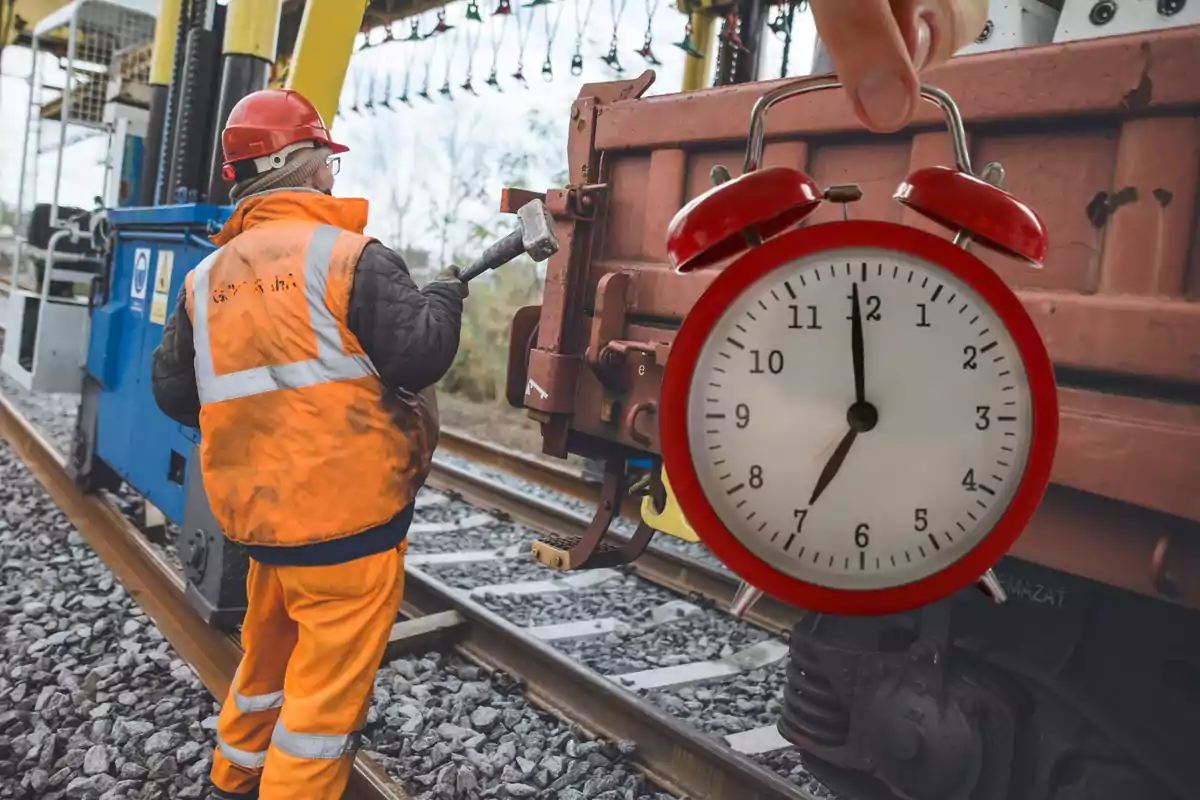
481, 367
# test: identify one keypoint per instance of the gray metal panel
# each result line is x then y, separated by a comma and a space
215, 567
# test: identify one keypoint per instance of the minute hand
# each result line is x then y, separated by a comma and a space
856, 346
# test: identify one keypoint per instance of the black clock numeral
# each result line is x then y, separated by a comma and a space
924, 321
970, 352
862, 536
813, 324
870, 305
969, 481
984, 421
756, 476
774, 362
743, 415
921, 519
800, 514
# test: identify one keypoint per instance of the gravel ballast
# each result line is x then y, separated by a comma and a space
449, 729
93, 701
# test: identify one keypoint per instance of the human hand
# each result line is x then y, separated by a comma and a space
879, 46
450, 275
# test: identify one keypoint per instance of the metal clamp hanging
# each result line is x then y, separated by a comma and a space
387, 93
365, 32
551, 34
424, 93
369, 106
580, 26
441, 27
472, 44
687, 44
444, 91
611, 58
503, 12
354, 79
730, 35
647, 49
524, 28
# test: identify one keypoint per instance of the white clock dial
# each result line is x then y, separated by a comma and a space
770, 403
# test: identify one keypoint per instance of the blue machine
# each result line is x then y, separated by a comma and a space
122, 435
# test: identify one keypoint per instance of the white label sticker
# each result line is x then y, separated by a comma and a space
162, 286
141, 273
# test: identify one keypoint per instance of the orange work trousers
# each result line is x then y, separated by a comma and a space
314, 638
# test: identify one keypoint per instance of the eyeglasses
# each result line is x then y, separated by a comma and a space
335, 164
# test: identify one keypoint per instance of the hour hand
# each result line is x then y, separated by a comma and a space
834, 464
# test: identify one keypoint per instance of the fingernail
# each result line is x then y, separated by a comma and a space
885, 99
924, 34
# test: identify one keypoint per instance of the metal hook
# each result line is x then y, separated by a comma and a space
577, 64
547, 69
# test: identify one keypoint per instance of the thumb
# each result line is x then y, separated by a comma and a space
869, 52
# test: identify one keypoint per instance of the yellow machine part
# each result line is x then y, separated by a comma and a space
323, 48
252, 28
165, 27
25, 14
671, 521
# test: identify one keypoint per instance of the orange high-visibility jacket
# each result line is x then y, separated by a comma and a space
297, 444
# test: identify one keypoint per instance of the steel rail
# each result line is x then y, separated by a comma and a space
153, 583
664, 568
678, 757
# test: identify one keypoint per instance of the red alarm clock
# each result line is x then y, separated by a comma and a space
858, 417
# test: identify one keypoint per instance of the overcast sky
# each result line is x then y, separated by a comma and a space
410, 133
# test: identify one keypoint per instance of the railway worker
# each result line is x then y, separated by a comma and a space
306, 355
878, 47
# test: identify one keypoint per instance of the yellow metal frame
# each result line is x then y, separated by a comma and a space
322, 53
671, 521
252, 28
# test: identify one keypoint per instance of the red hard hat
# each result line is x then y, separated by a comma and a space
267, 121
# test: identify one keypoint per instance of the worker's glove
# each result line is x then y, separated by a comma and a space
450, 276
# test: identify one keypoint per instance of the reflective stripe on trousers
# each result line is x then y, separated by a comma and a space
332, 362
243, 758
248, 704
314, 745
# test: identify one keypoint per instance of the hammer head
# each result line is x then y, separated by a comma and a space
537, 230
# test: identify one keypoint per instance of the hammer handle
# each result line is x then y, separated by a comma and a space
498, 254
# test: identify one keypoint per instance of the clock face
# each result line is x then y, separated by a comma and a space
869, 481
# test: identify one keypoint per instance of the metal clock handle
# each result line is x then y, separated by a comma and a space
817, 83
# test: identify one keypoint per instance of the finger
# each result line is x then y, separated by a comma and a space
872, 59
939, 28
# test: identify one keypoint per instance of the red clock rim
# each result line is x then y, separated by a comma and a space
748, 269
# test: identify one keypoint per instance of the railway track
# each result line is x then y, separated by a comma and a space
670, 569
674, 755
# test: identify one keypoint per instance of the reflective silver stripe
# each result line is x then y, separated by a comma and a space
242, 758
331, 364
313, 745
251, 703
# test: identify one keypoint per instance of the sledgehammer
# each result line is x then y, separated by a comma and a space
535, 237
